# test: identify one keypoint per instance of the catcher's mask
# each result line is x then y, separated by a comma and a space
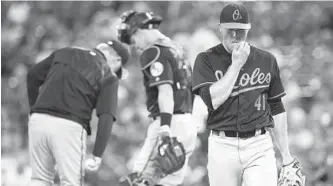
131, 21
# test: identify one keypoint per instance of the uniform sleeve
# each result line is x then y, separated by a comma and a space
108, 98
36, 77
156, 67
276, 89
203, 73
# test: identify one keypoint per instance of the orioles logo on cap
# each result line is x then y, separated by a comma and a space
236, 15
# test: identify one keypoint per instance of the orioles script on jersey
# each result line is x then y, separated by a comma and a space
256, 80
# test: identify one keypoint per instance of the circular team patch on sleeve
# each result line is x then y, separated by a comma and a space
92, 53
156, 69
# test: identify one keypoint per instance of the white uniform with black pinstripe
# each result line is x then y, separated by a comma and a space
184, 129
56, 141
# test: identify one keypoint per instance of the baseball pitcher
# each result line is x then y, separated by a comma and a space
171, 135
241, 86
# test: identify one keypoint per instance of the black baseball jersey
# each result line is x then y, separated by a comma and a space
70, 83
161, 64
258, 81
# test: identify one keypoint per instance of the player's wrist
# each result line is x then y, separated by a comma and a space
165, 118
98, 160
97, 152
235, 66
165, 131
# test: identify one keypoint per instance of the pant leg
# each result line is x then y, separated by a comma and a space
147, 148
69, 147
260, 166
41, 158
223, 166
145, 163
185, 130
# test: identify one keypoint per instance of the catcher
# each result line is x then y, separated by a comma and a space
171, 135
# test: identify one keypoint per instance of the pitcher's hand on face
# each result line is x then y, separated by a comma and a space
240, 53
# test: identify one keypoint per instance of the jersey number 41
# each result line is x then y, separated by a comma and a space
260, 103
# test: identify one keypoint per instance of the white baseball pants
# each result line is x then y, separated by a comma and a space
234, 161
185, 130
54, 140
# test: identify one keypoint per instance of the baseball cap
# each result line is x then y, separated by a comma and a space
143, 20
235, 16
120, 49
132, 21
123, 52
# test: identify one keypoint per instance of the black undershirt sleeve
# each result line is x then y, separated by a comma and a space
107, 101
276, 106
104, 128
106, 109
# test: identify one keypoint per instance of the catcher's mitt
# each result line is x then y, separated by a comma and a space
171, 155
291, 175
167, 157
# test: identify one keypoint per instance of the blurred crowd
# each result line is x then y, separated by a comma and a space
299, 34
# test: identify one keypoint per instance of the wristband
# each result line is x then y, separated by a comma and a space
165, 118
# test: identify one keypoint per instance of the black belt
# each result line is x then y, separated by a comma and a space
246, 134
179, 112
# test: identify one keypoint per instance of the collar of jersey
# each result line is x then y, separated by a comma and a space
223, 50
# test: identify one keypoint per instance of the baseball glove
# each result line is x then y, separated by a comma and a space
168, 156
291, 175
171, 155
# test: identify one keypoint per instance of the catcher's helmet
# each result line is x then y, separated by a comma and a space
132, 20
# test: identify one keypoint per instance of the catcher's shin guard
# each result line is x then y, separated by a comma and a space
148, 176
133, 179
